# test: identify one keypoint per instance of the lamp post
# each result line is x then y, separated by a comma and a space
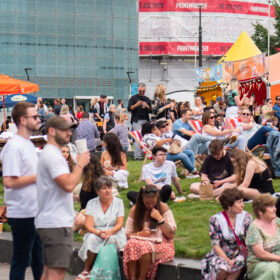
200, 37
268, 46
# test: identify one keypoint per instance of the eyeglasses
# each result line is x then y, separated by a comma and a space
150, 191
246, 114
163, 126
35, 117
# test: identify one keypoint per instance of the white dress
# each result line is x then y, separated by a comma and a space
92, 242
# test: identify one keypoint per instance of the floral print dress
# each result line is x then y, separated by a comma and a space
221, 235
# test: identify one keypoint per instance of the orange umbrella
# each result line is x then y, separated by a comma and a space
13, 86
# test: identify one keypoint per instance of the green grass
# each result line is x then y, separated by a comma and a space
192, 216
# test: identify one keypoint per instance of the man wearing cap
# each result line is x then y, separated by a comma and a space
220, 106
19, 165
55, 218
140, 106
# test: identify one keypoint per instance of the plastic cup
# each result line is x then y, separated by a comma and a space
81, 145
1, 227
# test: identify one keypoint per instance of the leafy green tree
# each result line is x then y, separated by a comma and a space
260, 36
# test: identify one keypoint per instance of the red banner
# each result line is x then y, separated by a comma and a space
182, 48
208, 6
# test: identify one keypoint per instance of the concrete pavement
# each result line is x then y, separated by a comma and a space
5, 269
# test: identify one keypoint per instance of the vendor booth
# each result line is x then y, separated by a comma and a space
274, 75
243, 61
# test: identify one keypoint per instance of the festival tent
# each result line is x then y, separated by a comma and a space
274, 75
243, 48
244, 61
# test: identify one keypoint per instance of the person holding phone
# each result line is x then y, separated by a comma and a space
150, 229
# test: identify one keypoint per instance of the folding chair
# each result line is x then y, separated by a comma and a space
196, 125
137, 137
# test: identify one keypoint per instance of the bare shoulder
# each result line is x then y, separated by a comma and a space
164, 207
132, 212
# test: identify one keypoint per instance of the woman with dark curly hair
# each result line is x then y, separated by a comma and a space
90, 174
150, 229
226, 230
113, 160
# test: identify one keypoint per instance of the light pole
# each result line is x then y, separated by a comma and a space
200, 37
268, 47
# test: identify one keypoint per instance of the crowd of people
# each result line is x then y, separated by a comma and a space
40, 190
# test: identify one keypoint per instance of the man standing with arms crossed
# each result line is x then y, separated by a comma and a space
140, 106
55, 183
19, 161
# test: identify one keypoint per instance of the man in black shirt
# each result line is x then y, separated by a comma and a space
140, 106
216, 169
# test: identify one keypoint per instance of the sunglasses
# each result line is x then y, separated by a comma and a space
163, 126
246, 114
212, 117
35, 117
151, 191
277, 99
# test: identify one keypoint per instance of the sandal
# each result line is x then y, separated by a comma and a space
83, 276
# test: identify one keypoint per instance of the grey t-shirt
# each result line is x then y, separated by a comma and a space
55, 204
122, 132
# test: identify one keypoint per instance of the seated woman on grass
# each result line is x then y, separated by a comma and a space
225, 260
263, 240
104, 221
114, 161
149, 220
251, 173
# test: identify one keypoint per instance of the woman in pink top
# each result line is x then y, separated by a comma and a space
150, 229
64, 112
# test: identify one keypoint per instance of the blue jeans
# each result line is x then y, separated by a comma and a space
199, 143
186, 157
27, 249
259, 137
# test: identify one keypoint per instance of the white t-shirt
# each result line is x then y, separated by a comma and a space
55, 204
160, 175
19, 159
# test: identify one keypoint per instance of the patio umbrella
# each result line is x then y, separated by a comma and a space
13, 86
13, 99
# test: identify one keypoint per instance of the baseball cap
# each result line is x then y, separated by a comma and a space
160, 123
58, 123
219, 98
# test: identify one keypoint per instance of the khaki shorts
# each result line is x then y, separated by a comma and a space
57, 246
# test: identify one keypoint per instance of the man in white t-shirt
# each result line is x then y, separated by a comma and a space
19, 165
55, 183
160, 173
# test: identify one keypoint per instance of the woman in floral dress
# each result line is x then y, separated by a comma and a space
225, 260
150, 229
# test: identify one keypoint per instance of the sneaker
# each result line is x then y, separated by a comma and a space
192, 195
192, 176
179, 199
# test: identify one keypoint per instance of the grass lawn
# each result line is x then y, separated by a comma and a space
191, 239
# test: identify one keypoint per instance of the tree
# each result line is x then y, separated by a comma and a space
260, 36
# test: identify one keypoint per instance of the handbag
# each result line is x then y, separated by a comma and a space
3, 214
175, 147
241, 244
106, 265
206, 191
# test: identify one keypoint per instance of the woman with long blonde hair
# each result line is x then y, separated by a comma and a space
161, 107
93, 110
252, 174
198, 108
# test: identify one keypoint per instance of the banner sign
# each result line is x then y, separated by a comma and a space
208, 6
245, 69
215, 73
182, 48
134, 89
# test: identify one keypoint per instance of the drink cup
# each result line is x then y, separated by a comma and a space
81, 145
1, 227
